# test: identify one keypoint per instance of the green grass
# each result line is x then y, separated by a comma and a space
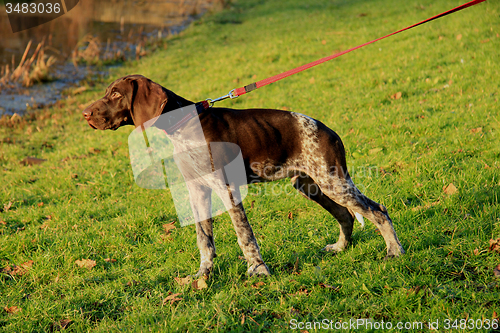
447, 72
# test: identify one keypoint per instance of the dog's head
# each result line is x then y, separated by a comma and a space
131, 100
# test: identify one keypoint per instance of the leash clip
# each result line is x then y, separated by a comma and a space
229, 95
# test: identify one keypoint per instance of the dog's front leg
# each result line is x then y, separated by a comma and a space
205, 241
201, 204
247, 241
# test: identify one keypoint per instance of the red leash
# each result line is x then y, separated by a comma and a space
243, 90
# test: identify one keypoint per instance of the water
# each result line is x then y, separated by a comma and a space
119, 25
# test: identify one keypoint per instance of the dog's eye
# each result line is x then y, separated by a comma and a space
116, 94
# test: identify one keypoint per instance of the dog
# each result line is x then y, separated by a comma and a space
274, 144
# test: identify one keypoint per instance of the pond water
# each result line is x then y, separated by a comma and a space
115, 25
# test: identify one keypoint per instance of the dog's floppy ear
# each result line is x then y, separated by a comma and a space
147, 99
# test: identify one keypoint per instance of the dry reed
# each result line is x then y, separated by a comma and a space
27, 72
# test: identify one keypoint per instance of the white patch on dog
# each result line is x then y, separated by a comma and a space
360, 219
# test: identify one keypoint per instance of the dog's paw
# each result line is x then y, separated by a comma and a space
335, 248
205, 269
394, 252
260, 269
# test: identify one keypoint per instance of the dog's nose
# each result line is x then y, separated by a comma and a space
87, 113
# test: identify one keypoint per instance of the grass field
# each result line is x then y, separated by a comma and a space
417, 112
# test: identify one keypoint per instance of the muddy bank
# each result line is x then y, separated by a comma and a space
123, 29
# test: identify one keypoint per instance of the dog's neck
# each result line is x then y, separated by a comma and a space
174, 102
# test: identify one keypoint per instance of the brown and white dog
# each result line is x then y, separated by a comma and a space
274, 144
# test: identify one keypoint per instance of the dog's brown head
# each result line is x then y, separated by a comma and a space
131, 100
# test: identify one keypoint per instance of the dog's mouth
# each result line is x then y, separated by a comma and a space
102, 125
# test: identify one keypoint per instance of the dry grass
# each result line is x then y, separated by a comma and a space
27, 72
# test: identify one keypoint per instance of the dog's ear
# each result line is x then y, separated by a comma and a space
147, 99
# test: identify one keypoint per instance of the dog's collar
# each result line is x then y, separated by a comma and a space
200, 108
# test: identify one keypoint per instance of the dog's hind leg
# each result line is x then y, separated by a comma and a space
308, 188
345, 193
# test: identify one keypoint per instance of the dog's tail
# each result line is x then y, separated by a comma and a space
358, 217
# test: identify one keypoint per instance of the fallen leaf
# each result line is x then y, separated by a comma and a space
397, 95
12, 309
301, 291
132, 283
242, 319
183, 281
172, 298
496, 271
40, 204
450, 189
3, 222
7, 206
494, 245
93, 150
328, 286
168, 227
109, 260
200, 284
61, 325
86, 263
28, 264
252, 204
290, 215
259, 284
476, 130
459, 36
32, 161
476, 252
18, 270
311, 80
323, 42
